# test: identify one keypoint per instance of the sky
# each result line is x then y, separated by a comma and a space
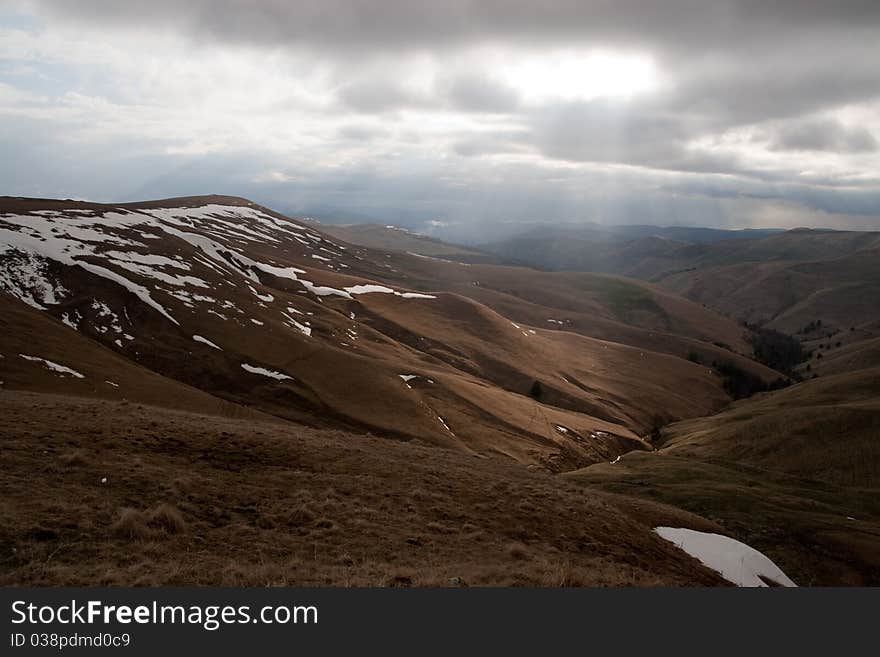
467, 119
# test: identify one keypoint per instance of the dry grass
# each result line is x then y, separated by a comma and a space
827, 429
819, 534
198, 500
517, 550
141, 525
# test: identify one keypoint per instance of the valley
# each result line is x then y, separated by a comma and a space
186, 373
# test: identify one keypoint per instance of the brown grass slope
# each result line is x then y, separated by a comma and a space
784, 281
609, 308
114, 493
106, 375
620, 383
343, 355
826, 428
820, 534
794, 473
788, 295
856, 352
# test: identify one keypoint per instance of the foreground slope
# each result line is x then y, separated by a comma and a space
130, 494
112, 315
826, 429
794, 473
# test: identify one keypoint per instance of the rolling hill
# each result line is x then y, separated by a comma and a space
101, 492
263, 311
791, 281
394, 238
186, 373
794, 473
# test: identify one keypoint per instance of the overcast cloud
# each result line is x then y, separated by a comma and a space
473, 115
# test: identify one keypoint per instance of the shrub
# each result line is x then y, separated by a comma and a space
141, 525
132, 524
167, 518
737, 382
537, 390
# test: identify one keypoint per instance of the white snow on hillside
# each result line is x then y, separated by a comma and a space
72, 322
116, 245
152, 273
736, 562
262, 371
146, 259
199, 338
291, 322
54, 367
26, 276
370, 288
446, 426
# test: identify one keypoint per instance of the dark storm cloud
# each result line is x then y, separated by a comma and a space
478, 93
428, 23
608, 131
360, 132
507, 141
729, 62
376, 96
791, 79
824, 135
767, 67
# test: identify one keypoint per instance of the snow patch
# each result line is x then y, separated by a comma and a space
54, 367
370, 288
736, 562
303, 328
72, 323
199, 338
262, 371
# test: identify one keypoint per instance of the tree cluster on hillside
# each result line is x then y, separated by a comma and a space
740, 384
776, 349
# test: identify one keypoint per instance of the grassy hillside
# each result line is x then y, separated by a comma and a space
128, 494
826, 429
794, 473
820, 534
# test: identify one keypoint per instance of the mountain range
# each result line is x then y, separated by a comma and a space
206, 376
